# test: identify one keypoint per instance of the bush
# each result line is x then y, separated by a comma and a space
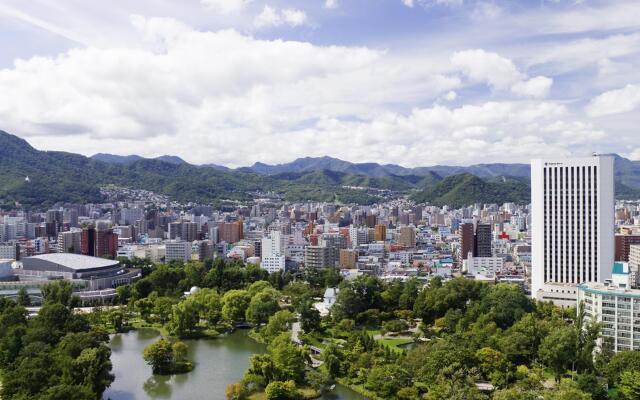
278, 390
395, 326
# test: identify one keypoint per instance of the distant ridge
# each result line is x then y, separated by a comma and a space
58, 177
116, 159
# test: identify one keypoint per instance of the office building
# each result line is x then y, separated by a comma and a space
482, 241
572, 225
177, 250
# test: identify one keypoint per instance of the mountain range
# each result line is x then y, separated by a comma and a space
65, 177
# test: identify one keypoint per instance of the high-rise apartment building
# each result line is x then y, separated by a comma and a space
88, 241
482, 242
70, 242
230, 232
106, 244
407, 236
380, 234
623, 244
318, 257
348, 258
189, 231
572, 225
467, 240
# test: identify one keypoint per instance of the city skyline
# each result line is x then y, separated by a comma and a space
414, 83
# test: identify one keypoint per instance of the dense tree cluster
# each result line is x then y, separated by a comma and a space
167, 358
54, 355
473, 333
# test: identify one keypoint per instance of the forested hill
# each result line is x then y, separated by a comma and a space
465, 189
65, 177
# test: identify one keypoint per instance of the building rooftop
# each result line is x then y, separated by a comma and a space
74, 261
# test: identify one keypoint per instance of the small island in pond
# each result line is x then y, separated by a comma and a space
167, 358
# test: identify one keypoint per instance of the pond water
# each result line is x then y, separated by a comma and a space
218, 362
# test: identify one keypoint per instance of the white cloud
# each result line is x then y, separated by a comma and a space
408, 3
615, 101
635, 155
535, 87
499, 72
330, 4
268, 17
225, 97
294, 17
271, 17
226, 6
450, 96
485, 10
482, 66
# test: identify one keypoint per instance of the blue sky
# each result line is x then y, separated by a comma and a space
414, 82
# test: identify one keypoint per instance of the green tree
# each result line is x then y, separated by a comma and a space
589, 383
92, 368
288, 360
558, 350
235, 304
493, 365
387, 380
184, 318
309, 318
160, 356
629, 385
23, 298
506, 304
68, 392
144, 307
620, 362
278, 390
162, 308
257, 287
263, 305
278, 323
180, 351
60, 292
567, 390
209, 303
357, 296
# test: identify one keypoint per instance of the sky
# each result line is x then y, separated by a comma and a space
409, 82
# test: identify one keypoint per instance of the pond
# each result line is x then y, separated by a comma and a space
218, 362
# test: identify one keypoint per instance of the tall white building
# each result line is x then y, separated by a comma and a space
572, 225
273, 258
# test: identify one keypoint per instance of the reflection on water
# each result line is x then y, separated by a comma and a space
158, 387
218, 362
